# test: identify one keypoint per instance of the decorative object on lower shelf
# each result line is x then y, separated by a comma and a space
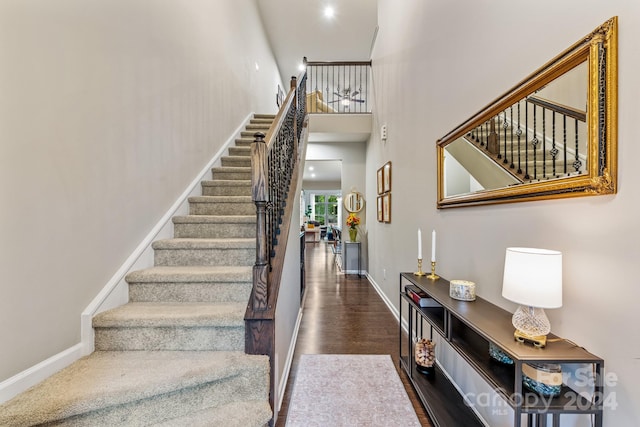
496, 353
462, 290
544, 379
425, 355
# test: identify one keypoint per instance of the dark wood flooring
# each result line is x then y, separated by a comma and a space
343, 315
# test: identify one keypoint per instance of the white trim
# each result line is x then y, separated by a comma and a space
115, 292
386, 300
287, 366
18, 383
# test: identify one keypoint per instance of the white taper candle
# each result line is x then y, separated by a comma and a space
433, 246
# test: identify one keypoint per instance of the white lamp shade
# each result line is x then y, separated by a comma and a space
533, 277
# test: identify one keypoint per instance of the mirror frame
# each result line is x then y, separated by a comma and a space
600, 50
351, 195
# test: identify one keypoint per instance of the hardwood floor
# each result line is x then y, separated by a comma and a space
343, 315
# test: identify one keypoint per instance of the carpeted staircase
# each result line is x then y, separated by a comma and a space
174, 355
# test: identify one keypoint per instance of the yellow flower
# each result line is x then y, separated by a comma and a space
353, 221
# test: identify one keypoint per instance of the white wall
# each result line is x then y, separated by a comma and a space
435, 64
108, 111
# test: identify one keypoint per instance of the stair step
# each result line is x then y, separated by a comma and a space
226, 187
236, 161
171, 326
250, 413
140, 388
240, 151
264, 121
262, 127
191, 252
264, 116
221, 205
191, 284
244, 142
230, 173
215, 226
250, 134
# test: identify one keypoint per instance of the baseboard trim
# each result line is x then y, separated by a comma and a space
287, 366
20, 382
115, 292
386, 300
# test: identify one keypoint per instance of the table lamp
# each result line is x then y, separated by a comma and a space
533, 279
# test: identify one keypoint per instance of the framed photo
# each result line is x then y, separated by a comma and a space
386, 177
380, 210
380, 180
386, 207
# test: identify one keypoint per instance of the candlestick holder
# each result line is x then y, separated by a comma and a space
433, 275
419, 272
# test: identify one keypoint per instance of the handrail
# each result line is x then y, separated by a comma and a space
558, 108
274, 177
340, 87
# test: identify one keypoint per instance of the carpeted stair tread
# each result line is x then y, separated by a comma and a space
195, 243
248, 413
220, 199
154, 314
191, 274
233, 168
106, 379
214, 219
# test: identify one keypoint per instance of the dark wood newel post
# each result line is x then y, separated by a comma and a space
260, 197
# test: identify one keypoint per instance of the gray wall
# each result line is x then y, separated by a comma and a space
433, 67
109, 109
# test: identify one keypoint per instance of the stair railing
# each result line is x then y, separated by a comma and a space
274, 158
521, 139
338, 87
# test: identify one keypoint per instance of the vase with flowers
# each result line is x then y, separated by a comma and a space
352, 222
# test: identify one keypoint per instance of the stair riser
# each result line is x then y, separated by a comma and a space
258, 127
190, 292
215, 231
244, 162
244, 142
245, 386
231, 175
240, 151
214, 208
170, 338
221, 256
226, 190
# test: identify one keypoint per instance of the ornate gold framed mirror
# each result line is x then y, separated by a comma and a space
553, 135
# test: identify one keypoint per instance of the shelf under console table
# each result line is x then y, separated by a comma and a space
470, 328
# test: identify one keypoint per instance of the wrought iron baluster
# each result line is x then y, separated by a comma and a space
519, 134
511, 166
534, 144
544, 142
526, 139
564, 141
554, 150
577, 164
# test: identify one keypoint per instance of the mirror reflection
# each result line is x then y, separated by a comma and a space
553, 135
354, 202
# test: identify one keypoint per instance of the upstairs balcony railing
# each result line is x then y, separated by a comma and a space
535, 139
338, 87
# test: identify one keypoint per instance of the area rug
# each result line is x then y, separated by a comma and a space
349, 390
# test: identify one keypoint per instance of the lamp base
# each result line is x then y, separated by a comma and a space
537, 340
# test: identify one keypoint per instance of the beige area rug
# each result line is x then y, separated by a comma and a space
349, 390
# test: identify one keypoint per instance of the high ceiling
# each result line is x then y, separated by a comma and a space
299, 28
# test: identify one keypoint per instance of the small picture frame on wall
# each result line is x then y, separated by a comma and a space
386, 207
380, 210
380, 180
386, 177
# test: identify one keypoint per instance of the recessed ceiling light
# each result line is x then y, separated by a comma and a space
329, 12
301, 67
310, 168
313, 175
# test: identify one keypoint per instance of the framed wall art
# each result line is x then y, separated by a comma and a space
386, 207
380, 180
386, 177
380, 210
